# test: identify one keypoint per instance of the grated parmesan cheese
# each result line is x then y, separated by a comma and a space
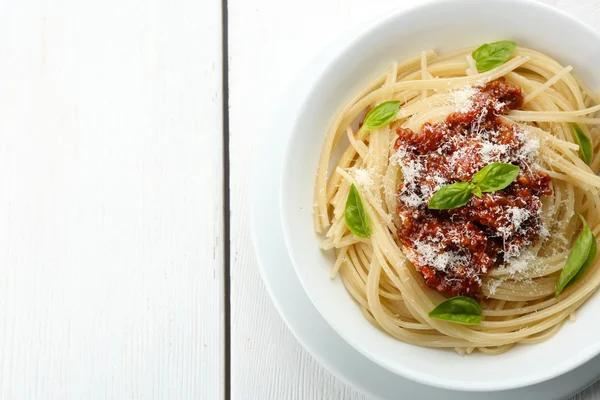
462, 99
492, 152
498, 106
516, 217
520, 264
363, 178
433, 254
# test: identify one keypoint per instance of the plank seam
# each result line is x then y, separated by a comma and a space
226, 200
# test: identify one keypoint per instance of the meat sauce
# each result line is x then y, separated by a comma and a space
454, 248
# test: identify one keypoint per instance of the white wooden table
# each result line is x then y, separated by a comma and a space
121, 278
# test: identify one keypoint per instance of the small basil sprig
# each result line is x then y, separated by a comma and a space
459, 309
452, 196
491, 55
584, 142
491, 178
495, 176
381, 115
580, 258
356, 217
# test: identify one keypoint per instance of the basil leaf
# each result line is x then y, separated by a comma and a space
381, 115
357, 219
491, 55
584, 142
586, 264
459, 309
495, 176
476, 190
581, 256
451, 196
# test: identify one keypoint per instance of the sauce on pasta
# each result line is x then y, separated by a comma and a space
454, 248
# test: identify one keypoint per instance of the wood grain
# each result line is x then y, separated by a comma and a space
111, 231
270, 42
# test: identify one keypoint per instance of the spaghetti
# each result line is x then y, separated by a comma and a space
385, 272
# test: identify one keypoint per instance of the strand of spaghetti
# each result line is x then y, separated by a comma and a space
551, 101
338, 262
555, 175
585, 178
434, 116
380, 138
344, 162
346, 241
522, 310
423, 73
405, 96
554, 118
356, 289
565, 86
358, 145
338, 211
391, 78
472, 70
341, 195
391, 296
547, 67
369, 317
434, 69
390, 185
544, 335
411, 325
495, 350
588, 92
556, 148
405, 69
437, 100
359, 263
547, 114
386, 282
548, 83
456, 54
555, 142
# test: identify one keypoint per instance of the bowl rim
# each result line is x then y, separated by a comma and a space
565, 365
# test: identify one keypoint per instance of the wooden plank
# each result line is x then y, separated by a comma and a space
270, 43
111, 231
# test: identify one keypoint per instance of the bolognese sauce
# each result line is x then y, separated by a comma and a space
454, 248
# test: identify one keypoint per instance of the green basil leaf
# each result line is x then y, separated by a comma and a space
476, 190
588, 261
381, 115
459, 309
356, 217
451, 196
495, 176
584, 142
581, 256
491, 55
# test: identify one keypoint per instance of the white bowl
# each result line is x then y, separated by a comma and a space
443, 26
